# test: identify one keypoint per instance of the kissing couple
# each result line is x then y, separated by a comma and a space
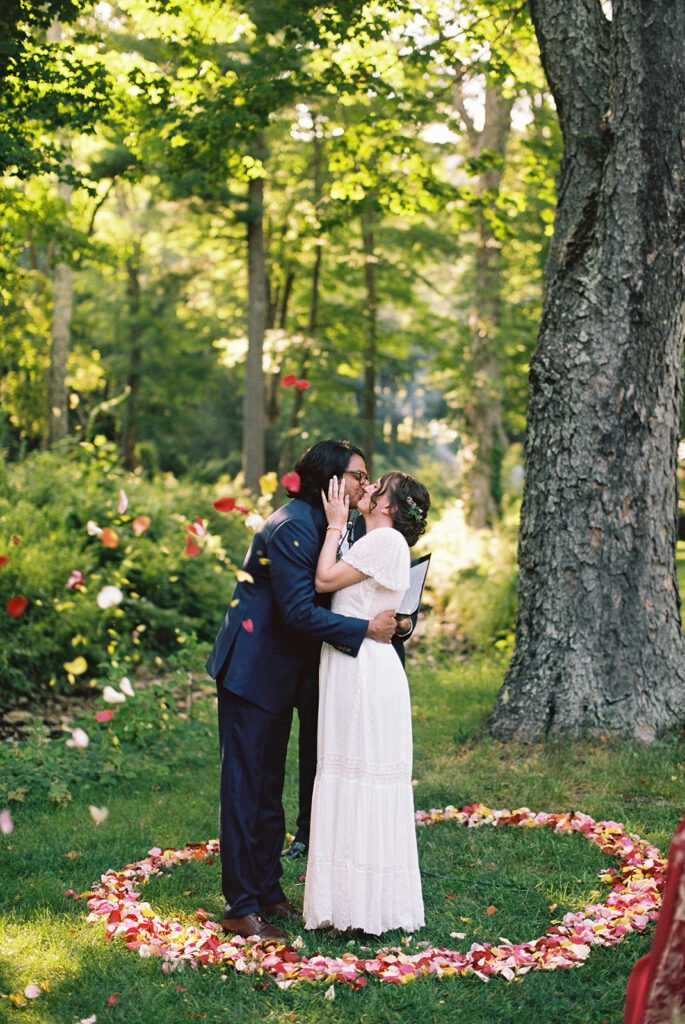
282, 638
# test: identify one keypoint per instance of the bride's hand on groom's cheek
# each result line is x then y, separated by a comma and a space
336, 504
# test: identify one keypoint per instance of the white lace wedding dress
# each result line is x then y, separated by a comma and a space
363, 869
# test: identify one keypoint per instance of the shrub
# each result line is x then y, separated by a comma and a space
64, 639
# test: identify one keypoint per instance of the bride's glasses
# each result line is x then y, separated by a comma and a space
359, 475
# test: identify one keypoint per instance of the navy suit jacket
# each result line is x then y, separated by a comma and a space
268, 664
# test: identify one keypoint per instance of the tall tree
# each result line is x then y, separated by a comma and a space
599, 646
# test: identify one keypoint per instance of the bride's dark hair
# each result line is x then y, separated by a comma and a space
409, 504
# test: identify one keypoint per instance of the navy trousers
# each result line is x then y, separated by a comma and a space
253, 745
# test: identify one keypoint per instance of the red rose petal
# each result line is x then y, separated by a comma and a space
16, 540
4, 559
248, 625
289, 381
16, 606
302, 385
242, 508
104, 716
291, 481
224, 504
109, 538
114, 999
198, 528
191, 547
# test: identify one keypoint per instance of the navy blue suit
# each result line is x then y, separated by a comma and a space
263, 658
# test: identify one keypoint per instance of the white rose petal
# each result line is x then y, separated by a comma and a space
457, 935
126, 687
109, 597
98, 814
6, 823
330, 993
254, 521
31, 991
93, 529
88, 1020
123, 503
79, 738
113, 696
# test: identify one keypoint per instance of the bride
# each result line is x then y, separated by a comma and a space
363, 869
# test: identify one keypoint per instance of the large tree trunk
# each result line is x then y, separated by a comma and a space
130, 436
253, 401
60, 343
483, 415
371, 340
599, 646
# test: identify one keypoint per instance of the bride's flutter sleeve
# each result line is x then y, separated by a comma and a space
384, 555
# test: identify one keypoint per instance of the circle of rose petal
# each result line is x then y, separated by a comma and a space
636, 888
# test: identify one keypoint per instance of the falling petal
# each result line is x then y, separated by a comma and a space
31, 991
4, 559
79, 739
16, 540
242, 508
244, 577
248, 625
109, 597
197, 528
302, 385
126, 687
291, 481
289, 381
16, 606
109, 537
191, 547
6, 823
75, 579
224, 504
113, 696
104, 716
93, 529
268, 484
98, 814
254, 521
140, 524
76, 667
123, 503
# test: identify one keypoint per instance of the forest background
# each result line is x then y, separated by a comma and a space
230, 230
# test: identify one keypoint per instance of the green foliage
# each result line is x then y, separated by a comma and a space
46, 503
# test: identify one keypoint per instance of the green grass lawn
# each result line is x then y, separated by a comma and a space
166, 796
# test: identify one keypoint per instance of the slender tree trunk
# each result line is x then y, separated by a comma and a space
483, 414
287, 459
253, 402
371, 344
599, 646
130, 435
60, 343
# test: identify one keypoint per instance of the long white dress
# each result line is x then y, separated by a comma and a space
363, 868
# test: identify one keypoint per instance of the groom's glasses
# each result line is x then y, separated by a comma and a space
359, 475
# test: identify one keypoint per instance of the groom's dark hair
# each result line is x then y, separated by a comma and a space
318, 464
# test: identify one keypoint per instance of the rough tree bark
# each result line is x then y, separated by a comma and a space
599, 646
253, 400
483, 415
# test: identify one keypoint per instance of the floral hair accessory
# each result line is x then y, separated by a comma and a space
415, 511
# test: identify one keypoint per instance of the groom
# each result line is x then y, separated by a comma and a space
263, 659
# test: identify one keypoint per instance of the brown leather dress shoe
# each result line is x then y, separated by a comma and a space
284, 911
252, 924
